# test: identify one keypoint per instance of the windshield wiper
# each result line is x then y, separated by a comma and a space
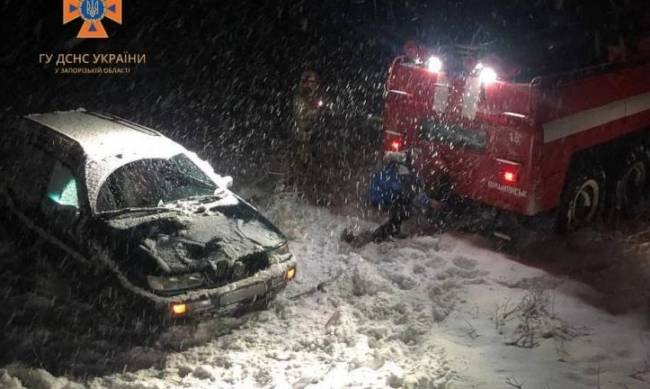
206, 198
123, 211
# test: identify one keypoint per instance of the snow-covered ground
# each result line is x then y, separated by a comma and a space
442, 311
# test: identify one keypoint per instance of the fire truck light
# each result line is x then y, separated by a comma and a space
395, 145
434, 64
509, 174
487, 75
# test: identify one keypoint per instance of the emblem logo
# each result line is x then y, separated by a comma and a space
92, 12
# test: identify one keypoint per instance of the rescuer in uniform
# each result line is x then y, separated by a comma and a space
307, 104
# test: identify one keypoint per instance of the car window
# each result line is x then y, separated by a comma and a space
62, 188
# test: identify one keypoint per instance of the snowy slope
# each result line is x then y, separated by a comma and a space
424, 312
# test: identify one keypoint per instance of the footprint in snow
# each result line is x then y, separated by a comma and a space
464, 263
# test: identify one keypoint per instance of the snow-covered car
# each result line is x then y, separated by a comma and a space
155, 231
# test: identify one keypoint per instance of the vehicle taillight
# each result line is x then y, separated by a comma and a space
395, 143
509, 174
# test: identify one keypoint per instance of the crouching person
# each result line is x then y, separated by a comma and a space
397, 188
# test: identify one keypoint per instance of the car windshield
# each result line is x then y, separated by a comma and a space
149, 183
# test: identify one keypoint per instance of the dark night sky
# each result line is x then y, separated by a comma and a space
227, 70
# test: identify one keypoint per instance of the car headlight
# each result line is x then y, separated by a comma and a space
175, 283
290, 274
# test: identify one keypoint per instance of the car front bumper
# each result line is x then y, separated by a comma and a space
248, 292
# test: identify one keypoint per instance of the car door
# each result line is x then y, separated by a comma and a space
25, 173
62, 210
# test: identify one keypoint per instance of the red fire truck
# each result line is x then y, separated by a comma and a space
554, 130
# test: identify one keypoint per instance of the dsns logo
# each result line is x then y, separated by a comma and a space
92, 12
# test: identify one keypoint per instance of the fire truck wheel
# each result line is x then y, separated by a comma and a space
583, 198
632, 182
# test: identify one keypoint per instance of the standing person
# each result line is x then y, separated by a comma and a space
306, 107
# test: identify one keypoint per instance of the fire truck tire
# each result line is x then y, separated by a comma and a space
582, 202
631, 184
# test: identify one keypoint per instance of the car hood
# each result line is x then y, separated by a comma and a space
198, 234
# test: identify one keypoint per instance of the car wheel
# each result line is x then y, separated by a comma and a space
631, 184
583, 198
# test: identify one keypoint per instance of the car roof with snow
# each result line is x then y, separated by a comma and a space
101, 135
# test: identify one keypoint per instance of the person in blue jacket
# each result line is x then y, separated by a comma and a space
398, 189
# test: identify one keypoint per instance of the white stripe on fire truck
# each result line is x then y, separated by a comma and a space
595, 117
398, 92
441, 96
